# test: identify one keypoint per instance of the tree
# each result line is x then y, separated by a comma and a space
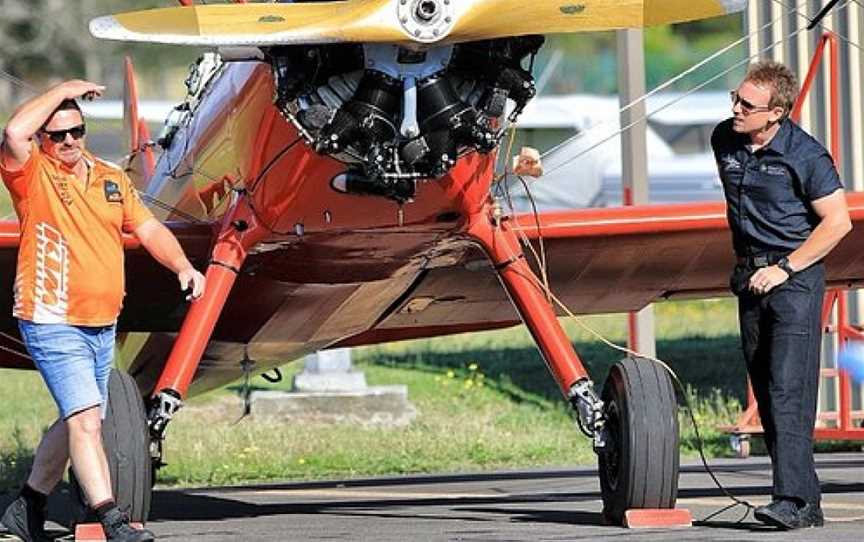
44, 41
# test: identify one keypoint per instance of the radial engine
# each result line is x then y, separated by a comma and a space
396, 116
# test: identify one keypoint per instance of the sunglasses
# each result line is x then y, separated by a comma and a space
746, 107
59, 136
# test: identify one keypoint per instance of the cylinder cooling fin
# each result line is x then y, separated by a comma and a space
396, 116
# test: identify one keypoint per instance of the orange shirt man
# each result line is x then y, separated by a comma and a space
70, 235
73, 209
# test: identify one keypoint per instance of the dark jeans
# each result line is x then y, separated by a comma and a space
781, 336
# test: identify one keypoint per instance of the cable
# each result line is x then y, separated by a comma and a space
18, 81
170, 208
278, 156
822, 14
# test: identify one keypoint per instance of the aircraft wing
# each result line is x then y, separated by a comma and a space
599, 261
393, 21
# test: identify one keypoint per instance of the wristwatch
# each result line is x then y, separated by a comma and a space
784, 265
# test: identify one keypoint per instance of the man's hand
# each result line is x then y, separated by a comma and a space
767, 278
78, 88
191, 278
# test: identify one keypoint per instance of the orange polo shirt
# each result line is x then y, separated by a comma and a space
70, 259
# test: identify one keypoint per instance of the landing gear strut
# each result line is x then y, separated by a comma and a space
635, 426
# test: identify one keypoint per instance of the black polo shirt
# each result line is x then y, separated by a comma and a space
768, 193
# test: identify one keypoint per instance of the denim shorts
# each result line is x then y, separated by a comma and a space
75, 362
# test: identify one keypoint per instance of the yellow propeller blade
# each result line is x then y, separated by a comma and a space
256, 24
487, 19
394, 21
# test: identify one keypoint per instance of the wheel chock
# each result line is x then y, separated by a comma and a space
92, 532
657, 518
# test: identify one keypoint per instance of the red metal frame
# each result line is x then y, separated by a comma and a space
844, 417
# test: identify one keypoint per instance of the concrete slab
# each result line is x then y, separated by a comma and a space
375, 405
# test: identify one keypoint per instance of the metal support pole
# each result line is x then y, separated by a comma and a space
634, 156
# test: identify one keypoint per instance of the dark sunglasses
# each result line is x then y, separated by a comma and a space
59, 136
746, 107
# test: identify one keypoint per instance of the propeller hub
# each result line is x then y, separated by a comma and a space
426, 21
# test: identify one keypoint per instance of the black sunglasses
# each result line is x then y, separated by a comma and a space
59, 136
746, 107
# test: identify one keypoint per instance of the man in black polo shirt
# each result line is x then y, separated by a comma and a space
787, 210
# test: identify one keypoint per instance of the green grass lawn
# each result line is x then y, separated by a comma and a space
484, 401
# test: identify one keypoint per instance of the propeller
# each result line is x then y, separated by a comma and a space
394, 21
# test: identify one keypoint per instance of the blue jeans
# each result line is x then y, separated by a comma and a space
781, 333
74, 361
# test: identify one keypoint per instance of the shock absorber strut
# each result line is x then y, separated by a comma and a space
501, 244
239, 232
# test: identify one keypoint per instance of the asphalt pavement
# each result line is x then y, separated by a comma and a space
532, 505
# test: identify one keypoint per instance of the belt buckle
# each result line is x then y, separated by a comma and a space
760, 261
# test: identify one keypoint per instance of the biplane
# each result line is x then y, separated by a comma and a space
332, 168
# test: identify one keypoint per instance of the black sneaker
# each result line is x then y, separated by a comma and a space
786, 514
26, 520
117, 529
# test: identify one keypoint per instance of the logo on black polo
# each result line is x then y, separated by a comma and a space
112, 192
730, 163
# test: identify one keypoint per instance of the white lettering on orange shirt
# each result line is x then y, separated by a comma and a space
52, 276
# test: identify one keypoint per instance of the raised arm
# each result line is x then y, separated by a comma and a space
30, 116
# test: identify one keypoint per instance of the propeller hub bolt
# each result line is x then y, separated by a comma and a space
427, 10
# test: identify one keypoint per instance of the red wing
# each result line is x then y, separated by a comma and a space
599, 261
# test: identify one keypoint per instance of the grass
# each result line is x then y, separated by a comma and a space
484, 402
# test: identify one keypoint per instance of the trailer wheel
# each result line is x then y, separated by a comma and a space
639, 465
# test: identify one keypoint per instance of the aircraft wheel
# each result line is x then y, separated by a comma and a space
639, 466
126, 439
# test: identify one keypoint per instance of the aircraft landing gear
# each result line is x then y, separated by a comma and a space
126, 438
634, 425
639, 464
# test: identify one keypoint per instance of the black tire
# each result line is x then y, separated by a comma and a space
639, 467
126, 439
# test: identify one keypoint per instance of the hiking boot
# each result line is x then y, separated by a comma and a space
785, 514
26, 520
117, 529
